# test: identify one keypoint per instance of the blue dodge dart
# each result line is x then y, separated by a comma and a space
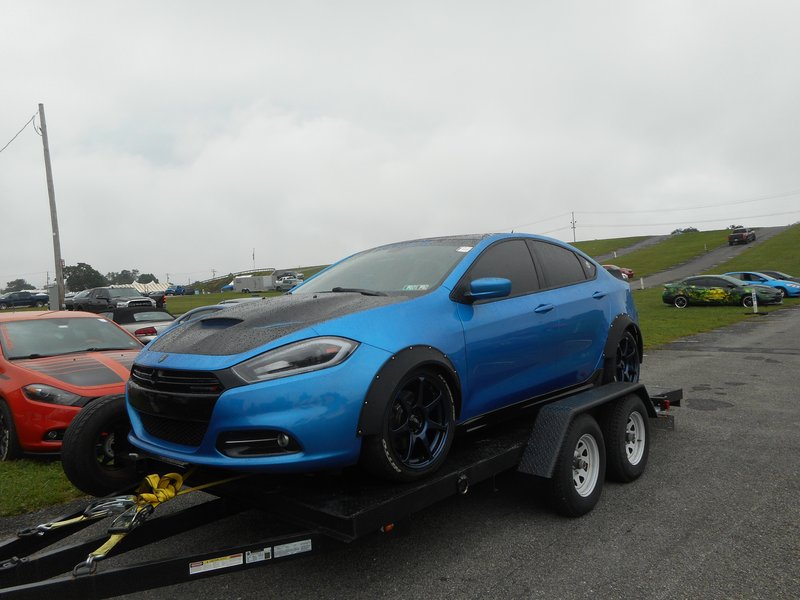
382, 358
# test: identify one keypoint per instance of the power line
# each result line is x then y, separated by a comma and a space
20, 131
777, 214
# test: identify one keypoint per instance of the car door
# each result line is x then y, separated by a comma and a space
506, 354
582, 312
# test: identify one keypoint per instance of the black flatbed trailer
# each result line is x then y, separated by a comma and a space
311, 513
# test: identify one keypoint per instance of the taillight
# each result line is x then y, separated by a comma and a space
145, 331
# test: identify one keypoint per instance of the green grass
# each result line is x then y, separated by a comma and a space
601, 247
673, 251
28, 485
779, 253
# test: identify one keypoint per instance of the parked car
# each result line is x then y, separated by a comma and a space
22, 299
52, 365
159, 297
179, 290
717, 289
142, 321
780, 275
380, 358
786, 288
741, 235
69, 299
104, 298
286, 282
624, 270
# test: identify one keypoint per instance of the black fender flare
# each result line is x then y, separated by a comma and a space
619, 326
383, 383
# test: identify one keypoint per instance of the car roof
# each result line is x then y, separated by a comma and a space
30, 315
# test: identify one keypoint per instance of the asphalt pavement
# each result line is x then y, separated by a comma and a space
715, 516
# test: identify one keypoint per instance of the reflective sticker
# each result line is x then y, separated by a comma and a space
464, 249
212, 564
293, 548
252, 556
416, 288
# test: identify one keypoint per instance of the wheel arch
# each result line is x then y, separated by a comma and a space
619, 326
385, 380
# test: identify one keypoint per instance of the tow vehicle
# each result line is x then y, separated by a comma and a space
566, 444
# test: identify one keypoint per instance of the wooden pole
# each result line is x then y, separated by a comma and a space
53, 214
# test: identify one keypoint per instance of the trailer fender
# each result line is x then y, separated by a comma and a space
550, 427
383, 384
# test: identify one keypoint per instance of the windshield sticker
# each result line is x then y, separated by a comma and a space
416, 288
464, 249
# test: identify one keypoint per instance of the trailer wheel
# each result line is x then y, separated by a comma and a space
9, 444
577, 480
95, 448
626, 429
417, 431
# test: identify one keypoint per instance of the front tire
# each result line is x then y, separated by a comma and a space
9, 443
95, 448
417, 429
577, 481
626, 430
747, 301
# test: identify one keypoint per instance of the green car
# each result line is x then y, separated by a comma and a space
717, 289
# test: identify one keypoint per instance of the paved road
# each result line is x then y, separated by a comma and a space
716, 515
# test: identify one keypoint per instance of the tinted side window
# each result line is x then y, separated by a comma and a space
510, 260
560, 265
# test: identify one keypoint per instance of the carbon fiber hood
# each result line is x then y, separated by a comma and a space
251, 325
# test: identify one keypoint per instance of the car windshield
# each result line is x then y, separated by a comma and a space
51, 337
408, 267
123, 292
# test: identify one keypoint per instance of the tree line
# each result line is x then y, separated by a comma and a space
83, 276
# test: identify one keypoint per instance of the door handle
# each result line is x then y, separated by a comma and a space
598, 295
543, 308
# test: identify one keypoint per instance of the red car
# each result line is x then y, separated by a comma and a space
53, 364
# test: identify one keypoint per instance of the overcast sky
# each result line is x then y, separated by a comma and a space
187, 135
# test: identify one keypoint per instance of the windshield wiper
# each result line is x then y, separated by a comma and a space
358, 291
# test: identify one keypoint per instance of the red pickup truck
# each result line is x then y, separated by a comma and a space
741, 235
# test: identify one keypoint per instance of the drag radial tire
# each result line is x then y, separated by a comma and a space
626, 429
577, 480
9, 444
95, 448
416, 431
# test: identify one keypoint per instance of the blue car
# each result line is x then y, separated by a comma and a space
382, 358
786, 288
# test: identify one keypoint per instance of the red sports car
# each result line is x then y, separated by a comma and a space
53, 364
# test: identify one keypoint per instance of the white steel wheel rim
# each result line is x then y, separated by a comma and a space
586, 465
634, 438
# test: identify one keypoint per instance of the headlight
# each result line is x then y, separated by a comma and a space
50, 394
300, 357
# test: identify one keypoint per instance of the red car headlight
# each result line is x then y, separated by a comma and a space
51, 395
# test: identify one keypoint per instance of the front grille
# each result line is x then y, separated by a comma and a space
139, 303
188, 433
174, 405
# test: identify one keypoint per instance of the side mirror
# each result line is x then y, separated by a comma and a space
488, 287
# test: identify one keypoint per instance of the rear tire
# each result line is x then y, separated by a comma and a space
577, 481
95, 448
9, 443
626, 430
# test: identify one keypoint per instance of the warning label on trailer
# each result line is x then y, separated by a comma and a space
219, 562
252, 556
293, 548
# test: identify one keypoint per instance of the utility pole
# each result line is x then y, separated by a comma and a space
53, 214
572, 224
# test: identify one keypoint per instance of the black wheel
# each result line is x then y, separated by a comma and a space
783, 292
626, 430
95, 448
418, 429
577, 480
3, 306
9, 444
624, 365
39, 304
680, 302
747, 301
